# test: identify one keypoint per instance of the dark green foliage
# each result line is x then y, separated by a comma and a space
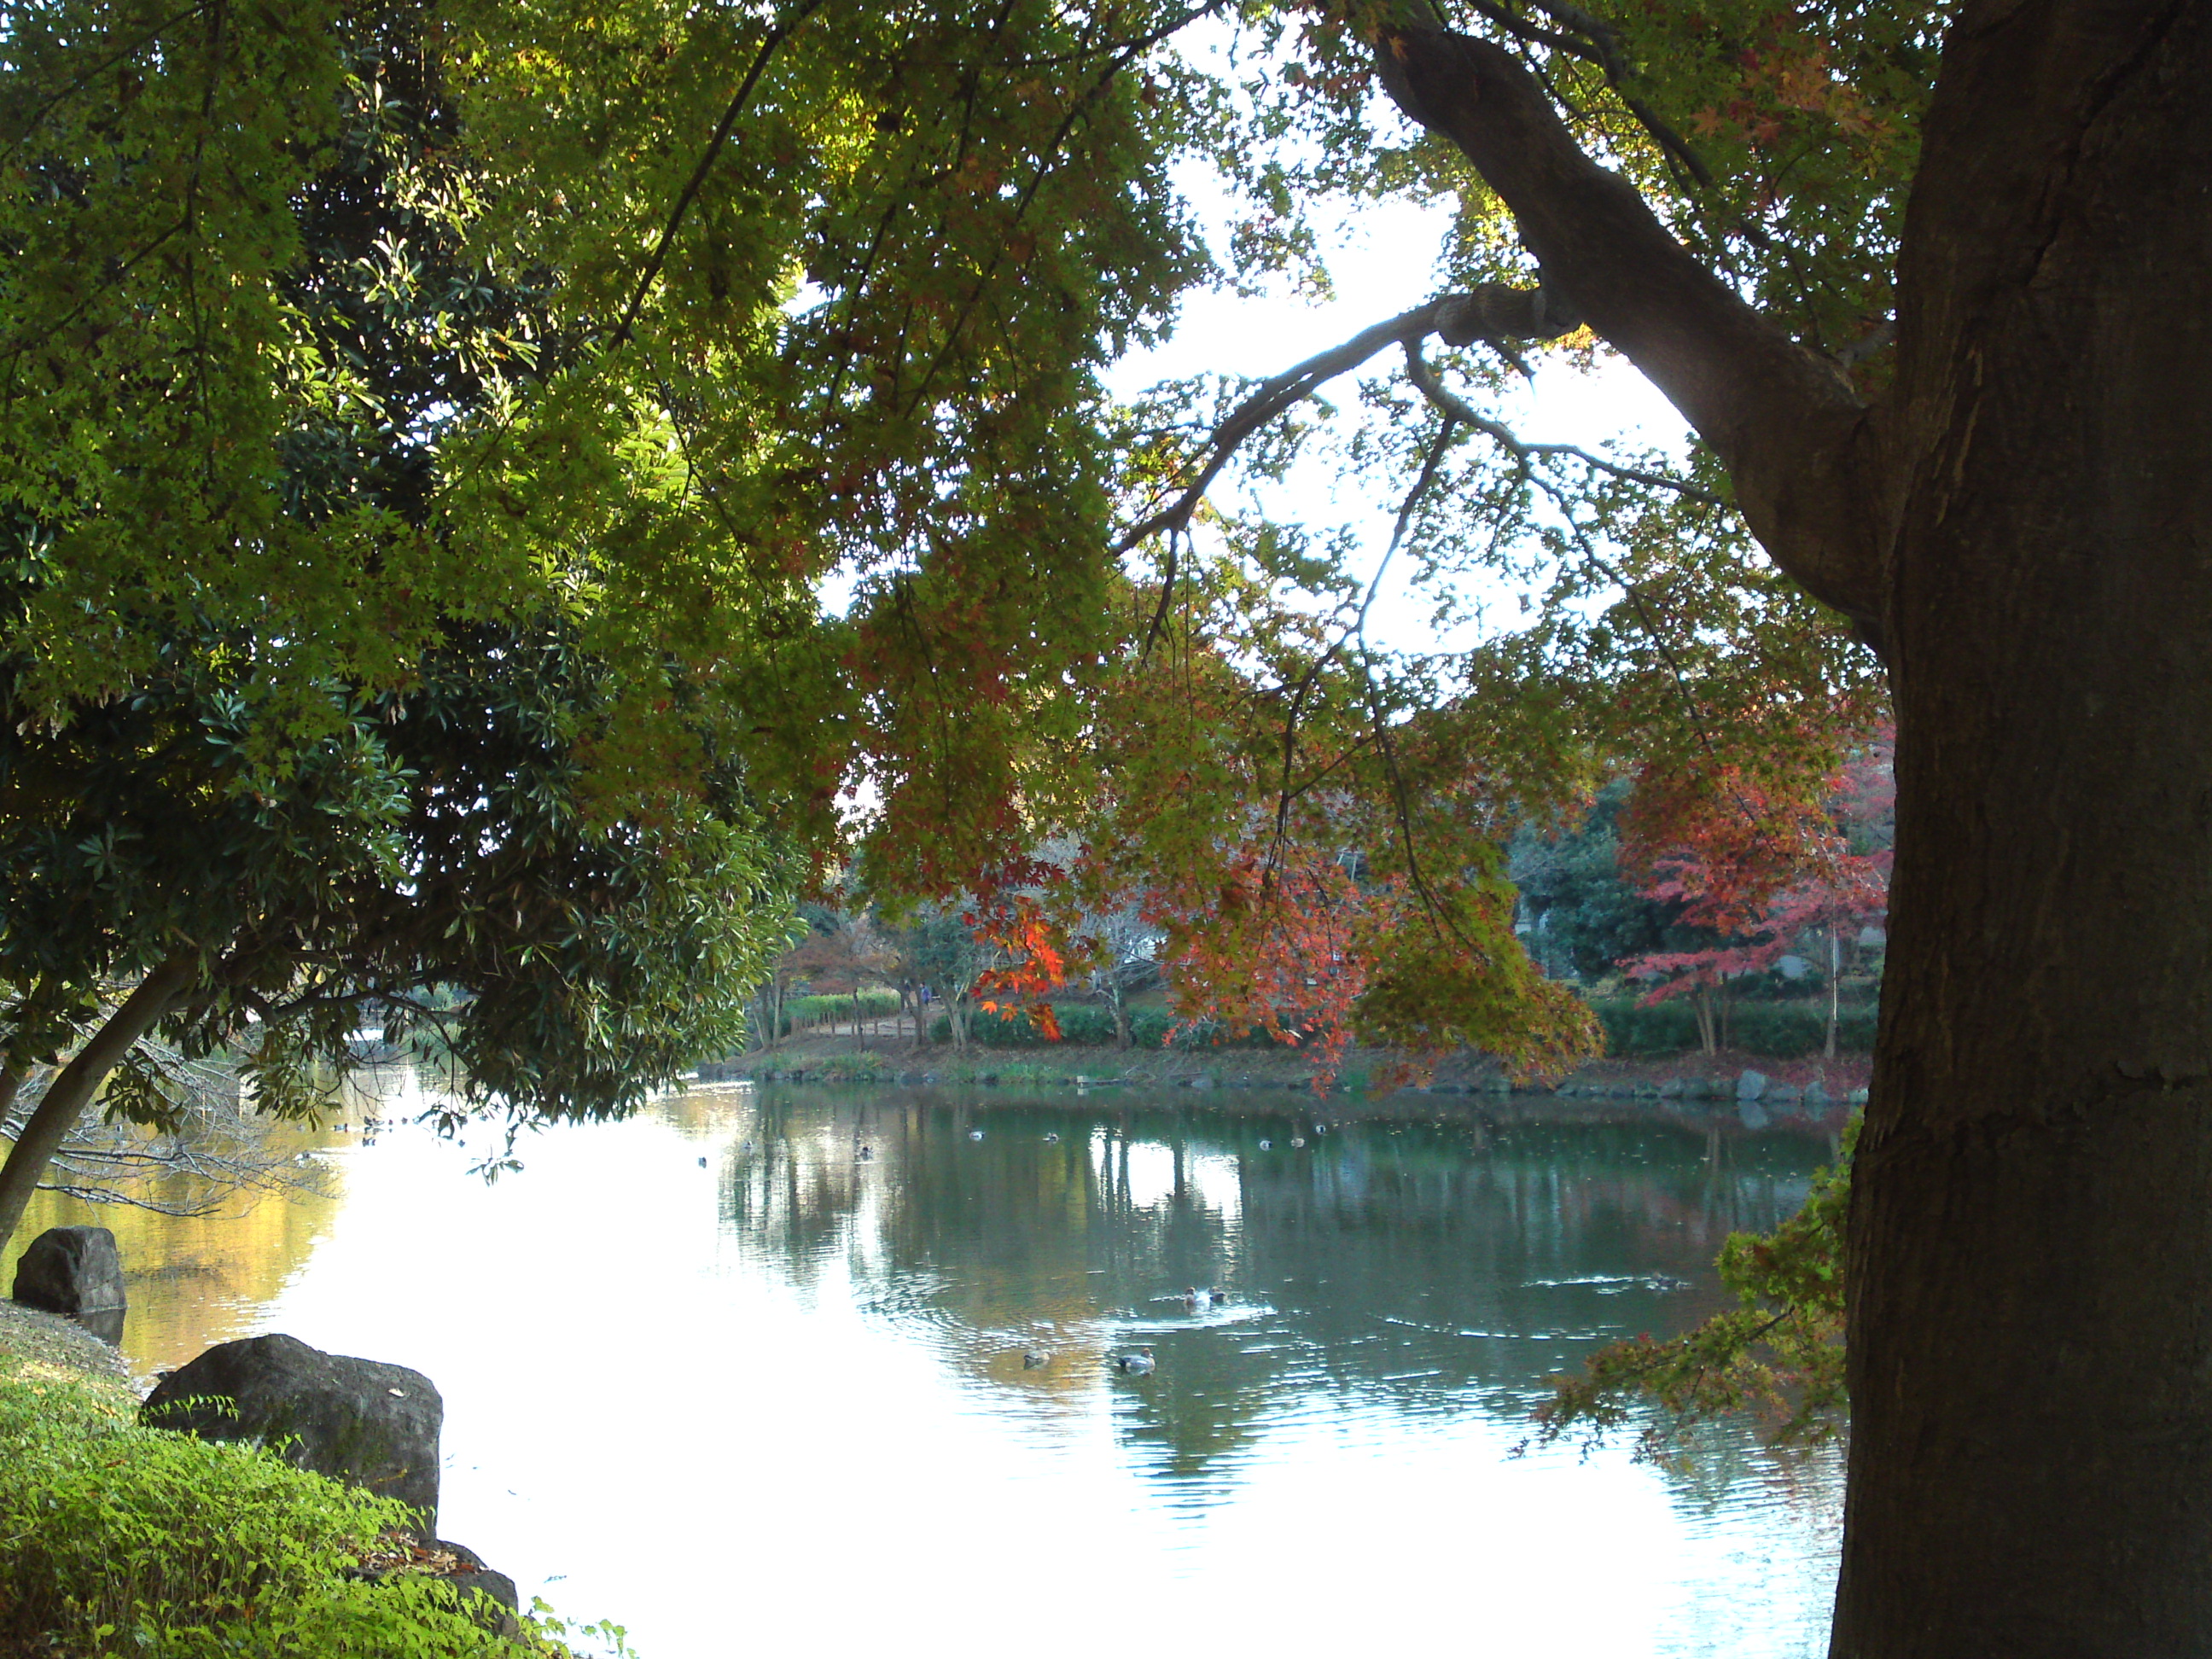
1584, 919
940, 951
445, 839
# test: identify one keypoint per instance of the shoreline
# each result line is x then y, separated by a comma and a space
1723, 1078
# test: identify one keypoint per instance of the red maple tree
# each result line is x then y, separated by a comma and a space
1763, 863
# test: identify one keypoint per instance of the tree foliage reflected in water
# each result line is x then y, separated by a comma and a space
1418, 1265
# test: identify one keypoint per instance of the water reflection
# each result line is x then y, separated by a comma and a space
1409, 1268
782, 1397
196, 1280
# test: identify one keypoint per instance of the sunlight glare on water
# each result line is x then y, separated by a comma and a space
779, 1400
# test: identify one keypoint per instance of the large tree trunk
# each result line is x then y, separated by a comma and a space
2030, 1239
2025, 521
74, 1084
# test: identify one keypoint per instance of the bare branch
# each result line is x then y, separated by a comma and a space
1458, 408
1493, 312
213, 1152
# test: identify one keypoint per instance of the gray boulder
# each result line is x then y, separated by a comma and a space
487, 1594
361, 1421
1817, 1098
1751, 1085
72, 1270
485, 1580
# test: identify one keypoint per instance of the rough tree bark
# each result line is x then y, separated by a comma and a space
74, 1086
2025, 523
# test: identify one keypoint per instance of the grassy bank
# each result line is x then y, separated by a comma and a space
119, 1540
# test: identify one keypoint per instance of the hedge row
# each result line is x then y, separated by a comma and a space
1087, 1023
1784, 1030
806, 1010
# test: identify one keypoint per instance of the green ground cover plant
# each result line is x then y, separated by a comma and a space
117, 1538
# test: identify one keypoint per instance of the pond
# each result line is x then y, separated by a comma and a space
748, 1370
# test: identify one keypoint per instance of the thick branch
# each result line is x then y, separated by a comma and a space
1788, 426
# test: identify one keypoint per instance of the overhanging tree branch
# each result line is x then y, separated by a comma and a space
1787, 424
1494, 312
775, 37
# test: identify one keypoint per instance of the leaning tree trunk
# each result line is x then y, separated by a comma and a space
2030, 1235
74, 1086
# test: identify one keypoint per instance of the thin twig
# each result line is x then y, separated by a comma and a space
775, 37
1426, 383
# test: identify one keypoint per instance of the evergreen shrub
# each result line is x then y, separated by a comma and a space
116, 1538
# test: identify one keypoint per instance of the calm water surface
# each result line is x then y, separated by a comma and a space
718, 1375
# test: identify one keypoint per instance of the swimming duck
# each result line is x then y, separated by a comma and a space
1298, 1141
1139, 1364
1035, 1359
974, 1134
1051, 1139
1266, 1146
867, 1155
703, 1162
